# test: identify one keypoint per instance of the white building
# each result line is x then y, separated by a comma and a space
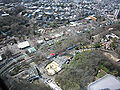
112, 36
1, 58
23, 45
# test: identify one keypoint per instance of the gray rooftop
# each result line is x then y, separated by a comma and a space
108, 82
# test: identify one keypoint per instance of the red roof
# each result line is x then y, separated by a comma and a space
52, 54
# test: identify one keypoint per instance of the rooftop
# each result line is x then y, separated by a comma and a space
108, 82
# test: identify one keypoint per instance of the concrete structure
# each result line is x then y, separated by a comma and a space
23, 45
108, 82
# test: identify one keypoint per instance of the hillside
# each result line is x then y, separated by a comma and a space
84, 69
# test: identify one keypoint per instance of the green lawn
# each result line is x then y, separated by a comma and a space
101, 74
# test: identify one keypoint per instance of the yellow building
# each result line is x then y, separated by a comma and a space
52, 68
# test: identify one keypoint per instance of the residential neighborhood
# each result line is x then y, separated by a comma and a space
60, 44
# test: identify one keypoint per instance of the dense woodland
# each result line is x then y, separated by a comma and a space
14, 24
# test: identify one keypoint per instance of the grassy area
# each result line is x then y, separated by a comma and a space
100, 74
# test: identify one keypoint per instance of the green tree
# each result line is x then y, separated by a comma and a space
97, 45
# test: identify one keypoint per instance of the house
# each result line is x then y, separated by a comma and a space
61, 60
91, 18
73, 24
109, 36
96, 38
40, 41
52, 68
58, 35
31, 50
47, 38
108, 82
50, 42
1, 58
23, 45
117, 14
3, 15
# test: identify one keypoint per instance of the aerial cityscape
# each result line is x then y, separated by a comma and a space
59, 44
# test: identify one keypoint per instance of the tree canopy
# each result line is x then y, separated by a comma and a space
83, 70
